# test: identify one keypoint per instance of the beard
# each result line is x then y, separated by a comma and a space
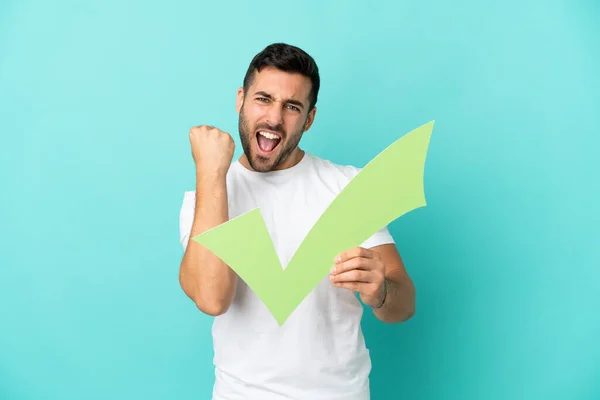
260, 163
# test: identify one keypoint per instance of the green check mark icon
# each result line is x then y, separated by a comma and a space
388, 187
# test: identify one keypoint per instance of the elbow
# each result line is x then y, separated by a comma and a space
401, 314
209, 302
402, 317
213, 308
411, 307
210, 306
409, 312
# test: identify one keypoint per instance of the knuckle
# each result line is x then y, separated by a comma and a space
197, 129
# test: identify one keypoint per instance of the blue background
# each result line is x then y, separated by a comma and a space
96, 100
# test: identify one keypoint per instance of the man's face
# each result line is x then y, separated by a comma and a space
273, 116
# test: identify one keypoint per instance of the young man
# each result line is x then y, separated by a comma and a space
319, 352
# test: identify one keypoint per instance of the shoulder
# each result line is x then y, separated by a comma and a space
342, 173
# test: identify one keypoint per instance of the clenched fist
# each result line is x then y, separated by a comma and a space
212, 149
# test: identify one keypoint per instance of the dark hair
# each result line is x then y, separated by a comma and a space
286, 58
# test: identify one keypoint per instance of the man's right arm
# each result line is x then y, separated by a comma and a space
204, 277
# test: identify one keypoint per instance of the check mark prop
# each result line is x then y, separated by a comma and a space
388, 187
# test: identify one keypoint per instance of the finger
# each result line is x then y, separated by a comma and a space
354, 275
355, 252
365, 289
367, 264
354, 286
352, 264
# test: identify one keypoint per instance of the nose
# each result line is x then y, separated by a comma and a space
274, 114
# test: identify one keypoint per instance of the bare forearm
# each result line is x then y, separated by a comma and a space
205, 278
399, 303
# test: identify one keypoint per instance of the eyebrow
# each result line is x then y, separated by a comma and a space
290, 101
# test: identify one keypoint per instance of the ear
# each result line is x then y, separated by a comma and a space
240, 99
310, 119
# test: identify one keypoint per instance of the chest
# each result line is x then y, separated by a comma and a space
289, 210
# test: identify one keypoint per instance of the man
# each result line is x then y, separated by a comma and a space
319, 353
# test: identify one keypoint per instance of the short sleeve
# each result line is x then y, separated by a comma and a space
186, 217
380, 237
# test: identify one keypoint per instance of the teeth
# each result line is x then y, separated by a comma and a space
268, 135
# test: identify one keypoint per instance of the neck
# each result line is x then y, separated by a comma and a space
292, 159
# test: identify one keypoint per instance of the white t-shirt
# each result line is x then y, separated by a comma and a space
319, 353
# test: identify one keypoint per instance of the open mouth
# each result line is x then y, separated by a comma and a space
267, 141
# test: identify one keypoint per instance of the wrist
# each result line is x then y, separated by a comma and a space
206, 175
383, 296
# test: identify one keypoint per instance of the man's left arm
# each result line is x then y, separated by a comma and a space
379, 276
